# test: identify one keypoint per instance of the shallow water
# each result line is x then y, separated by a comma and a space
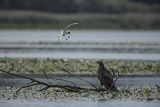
122, 82
100, 35
96, 36
112, 103
84, 55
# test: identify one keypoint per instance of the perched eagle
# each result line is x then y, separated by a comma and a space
105, 77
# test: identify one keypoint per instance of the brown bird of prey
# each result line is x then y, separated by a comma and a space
105, 77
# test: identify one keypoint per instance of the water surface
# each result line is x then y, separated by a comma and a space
83, 36
84, 55
98, 36
122, 82
112, 103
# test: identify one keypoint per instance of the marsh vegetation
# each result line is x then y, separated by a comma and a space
37, 66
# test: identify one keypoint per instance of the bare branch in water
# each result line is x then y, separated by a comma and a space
57, 79
46, 77
64, 81
67, 71
47, 85
27, 85
114, 80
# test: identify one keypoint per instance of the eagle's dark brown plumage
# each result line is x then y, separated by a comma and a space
105, 77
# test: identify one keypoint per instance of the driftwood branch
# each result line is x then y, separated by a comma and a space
115, 79
46, 76
64, 81
27, 85
47, 85
67, 71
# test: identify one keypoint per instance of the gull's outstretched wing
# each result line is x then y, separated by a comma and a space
69, 26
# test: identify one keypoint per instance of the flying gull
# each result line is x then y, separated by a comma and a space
65, 33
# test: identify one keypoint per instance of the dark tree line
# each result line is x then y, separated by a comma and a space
39, 5
147, 1
77, 6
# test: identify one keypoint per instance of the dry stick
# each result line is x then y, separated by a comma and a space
72, 88
56, 79
64, 81
76, 76
158, 87
34, 80
46, 77
113, 74
27, 86
114, 80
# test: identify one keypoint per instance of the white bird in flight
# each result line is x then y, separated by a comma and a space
65, 33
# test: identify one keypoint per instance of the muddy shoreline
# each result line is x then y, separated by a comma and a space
28, 66
53, 94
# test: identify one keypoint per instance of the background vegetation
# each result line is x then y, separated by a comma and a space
102, 14
37, 66
89, 6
